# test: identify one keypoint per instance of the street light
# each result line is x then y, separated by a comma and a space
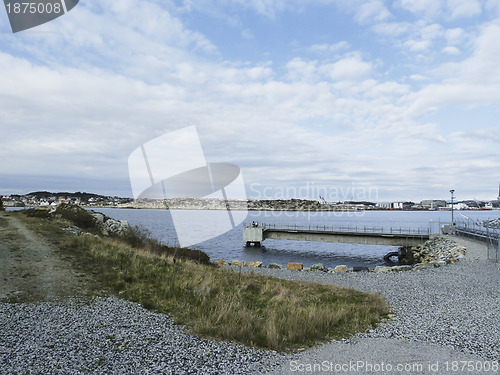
452, 219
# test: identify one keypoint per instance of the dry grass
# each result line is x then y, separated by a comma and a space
218, 303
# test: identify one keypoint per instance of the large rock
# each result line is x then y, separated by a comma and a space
382, 269
317, 267
255, 264
238, 263
98, 217
360, 269
341, 268
115, 227
275, 266
295, 266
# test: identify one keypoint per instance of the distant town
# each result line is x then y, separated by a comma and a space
48, 199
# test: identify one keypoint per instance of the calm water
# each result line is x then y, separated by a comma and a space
230, 245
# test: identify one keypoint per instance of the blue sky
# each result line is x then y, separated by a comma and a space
383, 100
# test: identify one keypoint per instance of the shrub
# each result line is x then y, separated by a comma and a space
42, 213
1, 205
77, 215
138, 237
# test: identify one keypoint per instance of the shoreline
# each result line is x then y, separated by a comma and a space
440, 315
240, 207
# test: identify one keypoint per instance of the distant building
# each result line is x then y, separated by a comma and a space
433, 204
391, 205
458, 205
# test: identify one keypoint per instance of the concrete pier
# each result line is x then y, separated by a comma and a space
257, 234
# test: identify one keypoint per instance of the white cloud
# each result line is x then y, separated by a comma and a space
463, 8
418, 45
392, 29
455, 36
451, 50
427, 8
299, 69
365, 11
418, 77
268, 8
330, 48
350, 68
371, 11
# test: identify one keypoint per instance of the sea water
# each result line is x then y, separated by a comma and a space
230, 245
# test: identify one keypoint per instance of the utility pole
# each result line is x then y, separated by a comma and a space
452, 197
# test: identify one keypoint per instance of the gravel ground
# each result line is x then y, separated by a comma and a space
447, 314
113, 336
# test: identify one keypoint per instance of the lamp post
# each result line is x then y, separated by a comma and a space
452, 197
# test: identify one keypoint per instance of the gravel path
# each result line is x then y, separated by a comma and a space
30, 269
442, 315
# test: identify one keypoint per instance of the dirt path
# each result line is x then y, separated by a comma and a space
30, 268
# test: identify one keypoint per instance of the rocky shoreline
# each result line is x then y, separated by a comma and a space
436, 252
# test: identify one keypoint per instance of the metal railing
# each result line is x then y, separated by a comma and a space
359, 229
483, 232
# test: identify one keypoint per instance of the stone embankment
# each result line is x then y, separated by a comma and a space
436, 252
110, 226
106, 225
440, 250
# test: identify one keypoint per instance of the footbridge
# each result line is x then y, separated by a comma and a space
255, 234
481, 232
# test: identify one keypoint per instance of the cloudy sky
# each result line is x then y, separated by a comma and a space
383, 100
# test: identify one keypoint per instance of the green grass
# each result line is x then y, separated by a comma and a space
218, 303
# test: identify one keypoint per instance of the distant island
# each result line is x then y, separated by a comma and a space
48, 199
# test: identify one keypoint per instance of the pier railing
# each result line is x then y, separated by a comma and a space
361, 229
483, 232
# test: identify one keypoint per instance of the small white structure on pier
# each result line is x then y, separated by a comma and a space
253, 235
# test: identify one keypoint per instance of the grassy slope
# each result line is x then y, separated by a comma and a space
218, 303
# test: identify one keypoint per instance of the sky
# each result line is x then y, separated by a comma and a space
345, 99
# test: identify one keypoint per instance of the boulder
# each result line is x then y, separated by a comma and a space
317, 267
295, 266
360, 269
238, 263
221, 262
255, 264
382, 269
114, 227
341, 268
275, 266
98, 217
